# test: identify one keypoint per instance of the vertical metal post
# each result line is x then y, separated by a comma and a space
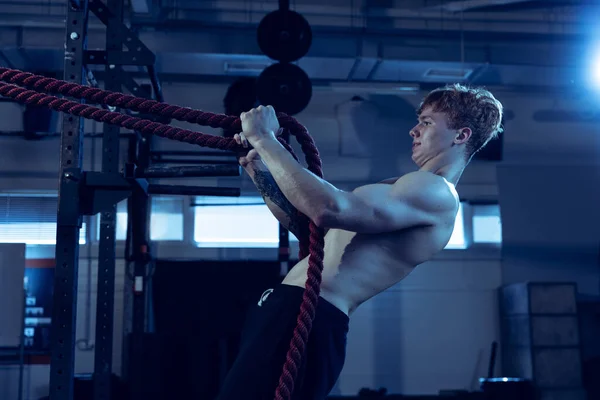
22, 346
128, 277
64, 308
106, 256
140, 237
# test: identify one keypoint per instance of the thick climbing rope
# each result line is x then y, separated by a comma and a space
312, 244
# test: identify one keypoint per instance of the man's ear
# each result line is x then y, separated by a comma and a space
462, 135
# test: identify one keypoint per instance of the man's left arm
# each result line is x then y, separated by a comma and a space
311, 195
415, 199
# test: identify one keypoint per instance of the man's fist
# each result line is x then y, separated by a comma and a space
259, 123
252, 154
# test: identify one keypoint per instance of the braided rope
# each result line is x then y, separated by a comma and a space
311, 245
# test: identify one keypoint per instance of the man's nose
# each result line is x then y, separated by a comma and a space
414, 133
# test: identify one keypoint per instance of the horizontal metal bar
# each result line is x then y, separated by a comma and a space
102, 57
191, 153
194, 190
55, 135
226, 204
198, 171
193, 161
106, 181
28, 174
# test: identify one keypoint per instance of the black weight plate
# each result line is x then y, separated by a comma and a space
286, 87
284, 35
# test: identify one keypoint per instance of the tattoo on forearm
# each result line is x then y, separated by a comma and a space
268, 189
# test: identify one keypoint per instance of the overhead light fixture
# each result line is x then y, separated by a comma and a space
244, 67
358, 88
448, 73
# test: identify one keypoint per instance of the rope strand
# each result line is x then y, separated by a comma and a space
311, 246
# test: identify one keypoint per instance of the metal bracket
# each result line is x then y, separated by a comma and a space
103, 57
138, 54
101, 191
98, 57
200, 171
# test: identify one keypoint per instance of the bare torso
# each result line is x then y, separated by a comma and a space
357, 267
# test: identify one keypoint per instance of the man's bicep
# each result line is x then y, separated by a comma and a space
372, 209
424, 197
388, 208
399, 212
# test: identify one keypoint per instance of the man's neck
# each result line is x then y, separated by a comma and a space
450, 170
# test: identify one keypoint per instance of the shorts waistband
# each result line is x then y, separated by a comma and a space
283, 291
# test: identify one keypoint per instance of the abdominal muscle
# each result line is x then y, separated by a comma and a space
357, 267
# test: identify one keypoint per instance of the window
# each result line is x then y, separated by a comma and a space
457, 240
487, 225
30, 219
247, 222
235, 222
166, 219
121, 228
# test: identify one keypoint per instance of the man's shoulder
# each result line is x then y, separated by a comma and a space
414, 177
423, 181
428, 189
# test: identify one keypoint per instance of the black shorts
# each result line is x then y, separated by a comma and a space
265, 342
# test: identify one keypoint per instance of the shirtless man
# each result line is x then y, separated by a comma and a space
376, 235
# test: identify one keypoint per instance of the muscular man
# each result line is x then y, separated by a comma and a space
376, 234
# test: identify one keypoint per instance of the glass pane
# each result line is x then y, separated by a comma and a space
121, 225
30, 220
223, 225
457, 240
487, 230
34, 233
235, 222
487, 224
166, 219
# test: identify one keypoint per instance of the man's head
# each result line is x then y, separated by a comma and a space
455, 120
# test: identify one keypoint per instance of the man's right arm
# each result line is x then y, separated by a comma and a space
275, 200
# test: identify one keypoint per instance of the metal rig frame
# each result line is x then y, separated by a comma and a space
89, 193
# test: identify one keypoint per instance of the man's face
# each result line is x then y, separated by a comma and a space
431, 136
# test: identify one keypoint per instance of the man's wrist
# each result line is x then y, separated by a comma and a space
264, 142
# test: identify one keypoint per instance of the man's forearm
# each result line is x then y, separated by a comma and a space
275, 200
310, 194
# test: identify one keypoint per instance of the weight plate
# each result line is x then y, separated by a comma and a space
284, 35
286, 87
